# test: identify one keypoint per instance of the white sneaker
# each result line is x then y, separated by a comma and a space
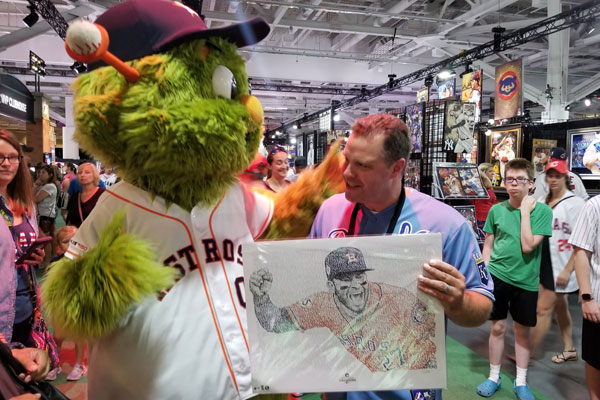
78, 371
53, 374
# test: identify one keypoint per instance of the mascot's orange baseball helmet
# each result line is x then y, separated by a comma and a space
138, 28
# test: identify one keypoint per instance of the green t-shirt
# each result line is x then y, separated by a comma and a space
508, 262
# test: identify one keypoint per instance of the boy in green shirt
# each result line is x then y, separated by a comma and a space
512, 251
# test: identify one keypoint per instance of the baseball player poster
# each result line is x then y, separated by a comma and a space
334, 315
459, 125
504, 146
423, 95
414, 121
509, 90
584, 151
541, 154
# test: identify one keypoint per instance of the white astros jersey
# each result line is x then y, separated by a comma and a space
189, 342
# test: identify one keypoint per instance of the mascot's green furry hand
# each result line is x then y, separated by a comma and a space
86, 297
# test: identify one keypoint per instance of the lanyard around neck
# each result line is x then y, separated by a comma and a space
393, 221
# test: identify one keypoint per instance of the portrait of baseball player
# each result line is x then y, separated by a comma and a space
460, 122
504, 149
591, 157
383, 326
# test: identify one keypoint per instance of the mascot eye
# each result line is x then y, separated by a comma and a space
224, 83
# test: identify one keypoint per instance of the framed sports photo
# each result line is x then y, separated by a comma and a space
583, 149
345, 314
504, 145
457, 181
469, 213
540, 156
414, 121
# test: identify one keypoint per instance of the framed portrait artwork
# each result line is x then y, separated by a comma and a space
457, 181
504, 145
469, 213
583, 149
414, 121
541, 154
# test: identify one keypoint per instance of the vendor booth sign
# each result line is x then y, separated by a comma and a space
337, 315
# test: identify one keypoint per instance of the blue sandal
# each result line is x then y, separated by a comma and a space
522, 392
489, 387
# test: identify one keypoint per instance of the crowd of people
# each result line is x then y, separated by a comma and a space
530, 251
30, 203
534, 254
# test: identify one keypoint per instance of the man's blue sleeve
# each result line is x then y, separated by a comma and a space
462, 252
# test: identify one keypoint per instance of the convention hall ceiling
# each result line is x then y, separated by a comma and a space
319, 51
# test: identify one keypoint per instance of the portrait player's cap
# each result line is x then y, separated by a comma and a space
558, 153
558, 165
344, 260
138, 28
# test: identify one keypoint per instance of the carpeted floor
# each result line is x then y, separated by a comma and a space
465, 371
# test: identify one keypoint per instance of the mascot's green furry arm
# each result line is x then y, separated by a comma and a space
154, 275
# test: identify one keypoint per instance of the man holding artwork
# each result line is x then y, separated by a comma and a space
384, 326
376, 203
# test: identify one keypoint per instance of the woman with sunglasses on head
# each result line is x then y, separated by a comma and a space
18, 231
557, 279
278, 169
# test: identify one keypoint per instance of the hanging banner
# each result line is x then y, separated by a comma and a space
423, 95
509, 90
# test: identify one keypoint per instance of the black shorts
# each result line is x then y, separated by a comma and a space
521, 303
590, 346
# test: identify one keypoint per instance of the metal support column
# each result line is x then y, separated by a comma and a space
558, 71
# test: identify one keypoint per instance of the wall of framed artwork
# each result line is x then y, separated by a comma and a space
583, 149
504, 144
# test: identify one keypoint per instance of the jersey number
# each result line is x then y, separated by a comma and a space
563, 244
239, 290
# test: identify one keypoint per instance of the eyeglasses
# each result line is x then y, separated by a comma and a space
519, 180
11, 159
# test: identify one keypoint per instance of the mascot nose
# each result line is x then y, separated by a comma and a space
254, 108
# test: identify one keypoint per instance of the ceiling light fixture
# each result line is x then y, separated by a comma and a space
446, 74
295, 126
336, 117
488, 132
587, 102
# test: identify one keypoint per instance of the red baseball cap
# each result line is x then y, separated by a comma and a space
559, 165
137, 28
259, 164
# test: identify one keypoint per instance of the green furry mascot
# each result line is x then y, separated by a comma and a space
154, 276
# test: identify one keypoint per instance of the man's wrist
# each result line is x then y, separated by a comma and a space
586, 297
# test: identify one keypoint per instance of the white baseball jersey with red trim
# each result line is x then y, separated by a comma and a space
190, 341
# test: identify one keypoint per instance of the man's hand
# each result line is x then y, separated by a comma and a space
35, 361
36, 257
591, 310
444, 282
260, 284
527, 205
563, 278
